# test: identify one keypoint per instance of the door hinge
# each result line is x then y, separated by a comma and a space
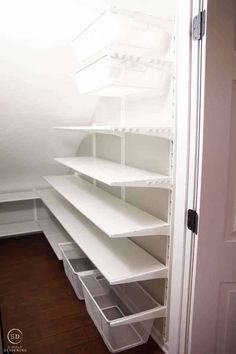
199, 23
192, 222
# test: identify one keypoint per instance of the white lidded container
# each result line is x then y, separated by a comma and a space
125, 27
123, 314
75, 263
119, 71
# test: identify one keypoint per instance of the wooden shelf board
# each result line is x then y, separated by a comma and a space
115, 174
112, 215
119, 260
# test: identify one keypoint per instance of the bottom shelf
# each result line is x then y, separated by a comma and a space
119, 260
19, 228
55, 234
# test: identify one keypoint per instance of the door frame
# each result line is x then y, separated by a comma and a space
190, 106
198, 51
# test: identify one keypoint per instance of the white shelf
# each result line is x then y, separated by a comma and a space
162, 132
112, 215
18, 196
19, 228
114, 174
55, 234
119, 260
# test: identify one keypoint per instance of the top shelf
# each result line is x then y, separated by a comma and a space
162, 132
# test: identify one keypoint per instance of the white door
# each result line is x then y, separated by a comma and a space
214, 307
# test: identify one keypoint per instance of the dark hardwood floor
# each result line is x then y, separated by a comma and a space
36, 297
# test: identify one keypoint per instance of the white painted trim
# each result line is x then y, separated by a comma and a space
189, 241
194, 180
200, 5
181, 173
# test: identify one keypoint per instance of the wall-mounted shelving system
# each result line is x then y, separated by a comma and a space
122, 218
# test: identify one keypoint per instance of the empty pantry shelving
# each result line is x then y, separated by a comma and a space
119, 260
162, 132
112, 215
128, 53
114, 174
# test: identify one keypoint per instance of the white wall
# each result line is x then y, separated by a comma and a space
37, 90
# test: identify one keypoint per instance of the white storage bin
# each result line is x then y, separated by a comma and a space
123, 314
75, 263
114, 75
127, 27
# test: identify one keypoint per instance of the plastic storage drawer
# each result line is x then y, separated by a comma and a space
115, 25
119, 76
75, 263
123, 314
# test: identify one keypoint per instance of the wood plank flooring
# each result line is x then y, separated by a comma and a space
36, 297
